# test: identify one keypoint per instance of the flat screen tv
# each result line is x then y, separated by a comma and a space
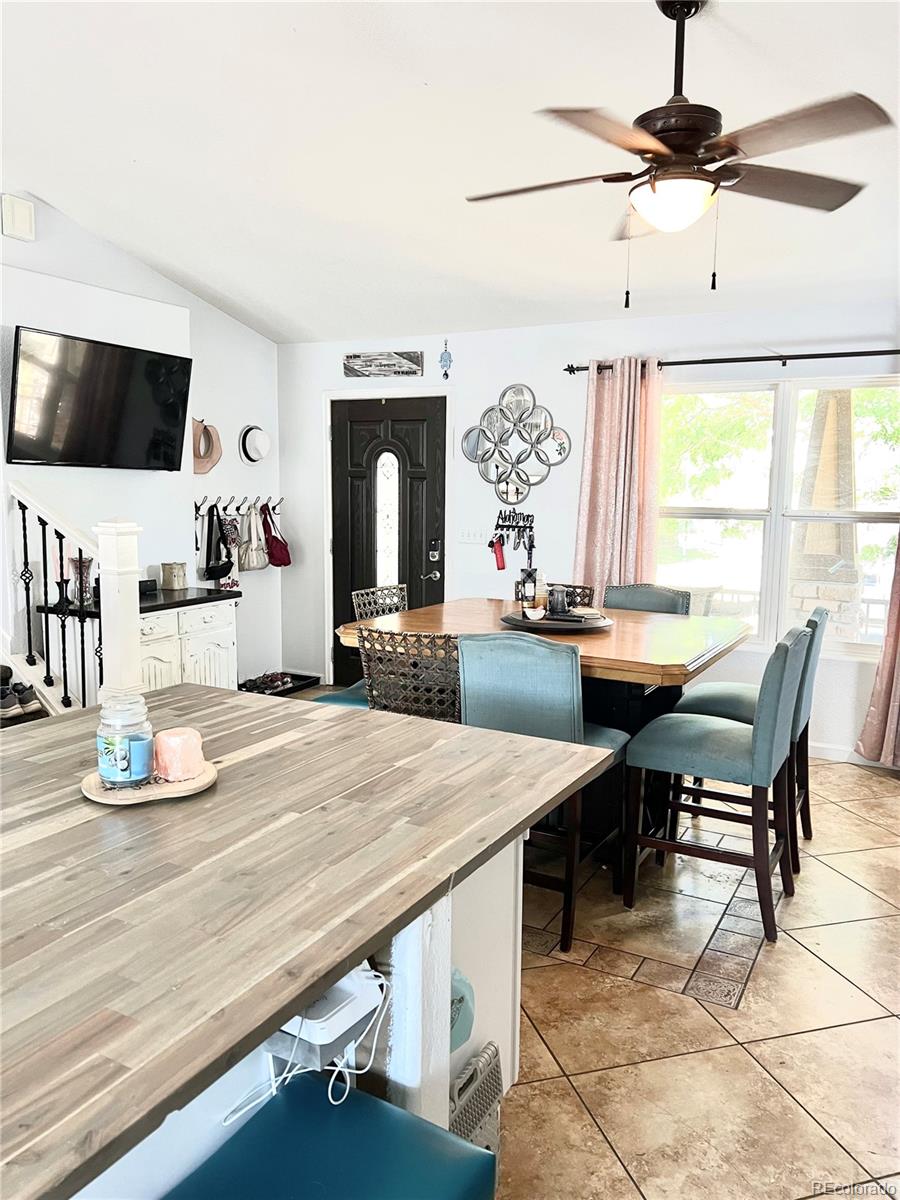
79, 403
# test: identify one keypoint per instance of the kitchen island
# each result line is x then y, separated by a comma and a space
147, 949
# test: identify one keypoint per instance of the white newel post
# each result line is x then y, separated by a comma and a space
119, 607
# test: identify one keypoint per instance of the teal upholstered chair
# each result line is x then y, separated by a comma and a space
521, 683
738, 701
680, 744
368, 603
647, 597
299, 1146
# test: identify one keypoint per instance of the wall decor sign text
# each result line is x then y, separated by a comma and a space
380, 364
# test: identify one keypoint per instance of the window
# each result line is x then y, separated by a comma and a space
779, 497
387, 519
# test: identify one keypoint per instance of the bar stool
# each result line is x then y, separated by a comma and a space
520, 683
647, 597
680, 744
738, 701
299, 1146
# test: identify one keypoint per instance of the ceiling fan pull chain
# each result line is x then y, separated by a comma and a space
628, 262
712, 286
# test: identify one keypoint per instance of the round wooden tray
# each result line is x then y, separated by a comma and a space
549, 625
93, 789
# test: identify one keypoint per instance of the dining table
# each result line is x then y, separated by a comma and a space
632, 671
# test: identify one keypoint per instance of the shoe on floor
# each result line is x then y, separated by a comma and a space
9, 704
28, 701
5, 675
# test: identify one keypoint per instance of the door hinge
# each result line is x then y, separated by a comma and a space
331, 545
331, 433
332, 653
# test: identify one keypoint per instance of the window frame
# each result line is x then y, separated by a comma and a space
779, 517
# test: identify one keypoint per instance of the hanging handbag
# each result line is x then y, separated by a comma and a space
276, 547
218, 557
252, 554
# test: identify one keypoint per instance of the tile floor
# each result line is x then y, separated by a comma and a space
673, 1055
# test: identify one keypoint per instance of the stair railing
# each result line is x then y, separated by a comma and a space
76, 661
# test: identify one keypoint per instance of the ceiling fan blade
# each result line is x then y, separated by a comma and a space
794, 187
601, 125
852, 113
618, 177
639, 228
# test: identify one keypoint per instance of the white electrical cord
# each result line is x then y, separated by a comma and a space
256, 1095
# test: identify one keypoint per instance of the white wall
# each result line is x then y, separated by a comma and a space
485, 362
69, 281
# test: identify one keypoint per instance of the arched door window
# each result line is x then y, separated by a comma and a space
387, 518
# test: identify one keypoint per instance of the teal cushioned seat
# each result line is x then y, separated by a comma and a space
608, 739
351, 697
520, 683
737, 701
301, 1147
695, 744
733, 701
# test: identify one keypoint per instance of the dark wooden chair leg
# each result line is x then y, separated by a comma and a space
803, 781
760, 825
618, 874
668, 789
793, 841
573, 854
634, 808
785, 819
698, 783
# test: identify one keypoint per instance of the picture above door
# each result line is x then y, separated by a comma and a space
387, 485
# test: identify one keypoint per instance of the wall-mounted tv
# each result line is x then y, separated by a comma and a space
80, 403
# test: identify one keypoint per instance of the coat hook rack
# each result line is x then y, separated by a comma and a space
227, 504
276, 508
240, 505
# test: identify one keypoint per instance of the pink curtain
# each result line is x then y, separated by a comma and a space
880, 737
617, 509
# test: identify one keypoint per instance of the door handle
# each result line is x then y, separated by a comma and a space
435, 575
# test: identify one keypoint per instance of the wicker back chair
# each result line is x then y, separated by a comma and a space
416, 674
577, 593
380, 601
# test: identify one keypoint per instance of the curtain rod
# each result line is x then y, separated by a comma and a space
784, 359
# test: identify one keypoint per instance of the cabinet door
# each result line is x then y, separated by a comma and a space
210, 658
161, 664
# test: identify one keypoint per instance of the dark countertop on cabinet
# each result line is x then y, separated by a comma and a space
158, 601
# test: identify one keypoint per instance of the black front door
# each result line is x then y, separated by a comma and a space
387, 494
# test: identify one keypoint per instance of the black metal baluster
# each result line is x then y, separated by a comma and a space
62, 612
27, 577
81, 620
98, 650
48, 677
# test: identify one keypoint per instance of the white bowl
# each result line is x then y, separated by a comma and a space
533, 614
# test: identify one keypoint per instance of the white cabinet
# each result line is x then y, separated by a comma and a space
209, 658
194, 644
160, 663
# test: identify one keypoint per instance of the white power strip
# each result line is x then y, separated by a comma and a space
345, 1003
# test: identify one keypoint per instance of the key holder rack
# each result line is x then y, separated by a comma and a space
515, 529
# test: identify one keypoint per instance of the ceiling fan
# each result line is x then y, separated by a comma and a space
688, 159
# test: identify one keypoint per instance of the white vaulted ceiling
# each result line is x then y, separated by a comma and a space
303, 166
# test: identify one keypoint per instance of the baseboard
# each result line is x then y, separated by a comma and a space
831, 752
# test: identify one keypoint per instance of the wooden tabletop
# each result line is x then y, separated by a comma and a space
147, 949
640, 647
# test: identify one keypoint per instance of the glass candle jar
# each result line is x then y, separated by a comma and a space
124, 742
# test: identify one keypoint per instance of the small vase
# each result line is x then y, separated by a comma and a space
81, 581
63, 586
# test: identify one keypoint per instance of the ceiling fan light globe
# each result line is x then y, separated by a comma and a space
670, 205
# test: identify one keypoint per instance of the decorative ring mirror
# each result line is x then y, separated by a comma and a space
515, 444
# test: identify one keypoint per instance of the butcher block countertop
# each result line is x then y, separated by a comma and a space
147, 949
